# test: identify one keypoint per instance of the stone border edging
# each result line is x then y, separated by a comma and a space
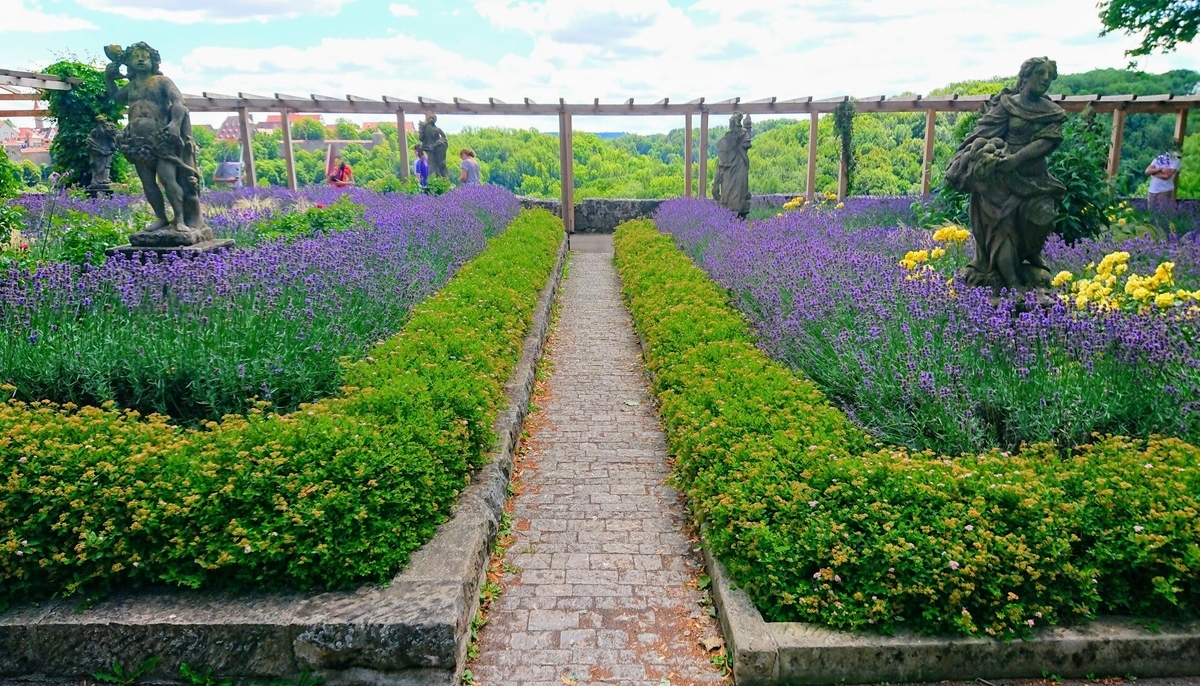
762, 653
412, 632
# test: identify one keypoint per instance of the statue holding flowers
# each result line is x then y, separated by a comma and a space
1014, 199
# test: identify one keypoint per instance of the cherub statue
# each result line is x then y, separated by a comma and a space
158, 141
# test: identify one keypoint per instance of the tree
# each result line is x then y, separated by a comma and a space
308, 130
1164, 24
10, 180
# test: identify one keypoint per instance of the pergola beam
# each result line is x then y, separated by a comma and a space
318, 104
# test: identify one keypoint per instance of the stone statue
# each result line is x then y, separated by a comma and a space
158, 141
1014, 199
731, 183
102, 145
433, 141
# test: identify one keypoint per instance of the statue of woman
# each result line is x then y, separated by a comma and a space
1014, 199
102, 145
731, 183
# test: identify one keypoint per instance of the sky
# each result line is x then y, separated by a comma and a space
573, 49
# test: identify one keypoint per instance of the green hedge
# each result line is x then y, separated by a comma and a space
821, 523
334, 494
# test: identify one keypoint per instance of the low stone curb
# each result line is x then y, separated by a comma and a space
413, 632
763, 652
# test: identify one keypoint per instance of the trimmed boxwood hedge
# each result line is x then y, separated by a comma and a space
821, 523
337, 493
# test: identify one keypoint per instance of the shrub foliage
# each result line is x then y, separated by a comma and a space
337, 493
821, 523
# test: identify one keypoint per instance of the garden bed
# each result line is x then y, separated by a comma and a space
338, 493
829, 529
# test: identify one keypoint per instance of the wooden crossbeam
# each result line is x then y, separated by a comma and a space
356, 98
215, 102
25, 113
664, 101
764, 101
20, 96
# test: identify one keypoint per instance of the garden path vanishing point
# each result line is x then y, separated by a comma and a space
601, 588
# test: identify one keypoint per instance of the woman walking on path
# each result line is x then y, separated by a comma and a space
470, 168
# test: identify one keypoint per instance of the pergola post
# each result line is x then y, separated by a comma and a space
1180, 135
687, 156
566, 171
402, 141
1118, 137
842, 180
247, 148
288, 156
570, 174
927, 161
703, 177
811, 192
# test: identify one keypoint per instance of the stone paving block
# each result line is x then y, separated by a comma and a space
605, 580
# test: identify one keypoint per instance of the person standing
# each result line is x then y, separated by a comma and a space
1163, 173
421, 168
470, 168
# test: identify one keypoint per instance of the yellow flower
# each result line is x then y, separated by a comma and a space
840, 205
1121, 221
1081, 302
1141, 293
1165, 300
1062, 278
951, 234
936, 253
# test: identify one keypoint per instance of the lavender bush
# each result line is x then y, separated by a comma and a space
923, 361
197, 338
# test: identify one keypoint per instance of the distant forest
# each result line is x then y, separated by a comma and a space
888, 149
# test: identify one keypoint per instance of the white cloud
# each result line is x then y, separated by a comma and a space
401, 10
215, 11
650, 49
32, 19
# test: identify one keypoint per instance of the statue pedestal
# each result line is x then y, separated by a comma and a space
98, 190
131, 251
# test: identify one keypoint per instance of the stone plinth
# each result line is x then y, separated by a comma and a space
183, 250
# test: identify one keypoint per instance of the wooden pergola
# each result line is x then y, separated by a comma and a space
245, 103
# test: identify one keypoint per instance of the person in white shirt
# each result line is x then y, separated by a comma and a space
1163, 172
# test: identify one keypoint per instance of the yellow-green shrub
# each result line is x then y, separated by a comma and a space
334, 494
820, 523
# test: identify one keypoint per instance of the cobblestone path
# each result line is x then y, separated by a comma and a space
605, 592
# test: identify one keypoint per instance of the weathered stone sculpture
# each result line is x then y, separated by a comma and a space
731, 183
102, 145
433, 141
158, 141
1014, 199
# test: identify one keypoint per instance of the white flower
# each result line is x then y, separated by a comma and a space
22, 460
247, 548
136, 564
1149, 466
1138, 529
969, 527
953, 565
812, 503
20, 553
1031, 622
